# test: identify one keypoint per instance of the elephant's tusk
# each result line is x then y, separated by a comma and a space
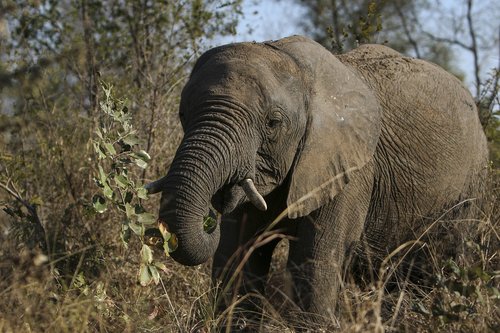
156, 186
252, 194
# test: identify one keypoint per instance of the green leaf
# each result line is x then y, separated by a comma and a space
146, 254
209, 224
454, 268
108, 192
161, 266
142, 193
146, 218
137, 229
154, 273
102, 175
140, 163
109, 147
99, 203
129, 210
125, 234
170, 244
99, 133
477, 272
99, 150
144, 275
143, 155
122, 181
131, 140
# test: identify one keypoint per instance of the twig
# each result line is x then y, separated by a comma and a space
32, 211
473, 47
407, 30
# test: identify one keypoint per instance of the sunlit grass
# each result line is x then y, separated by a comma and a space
84, 292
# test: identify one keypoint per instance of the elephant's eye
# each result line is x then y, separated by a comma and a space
273, 123
275, 120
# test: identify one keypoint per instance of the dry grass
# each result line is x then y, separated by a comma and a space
94, 288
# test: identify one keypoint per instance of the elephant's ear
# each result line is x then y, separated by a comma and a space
344, 126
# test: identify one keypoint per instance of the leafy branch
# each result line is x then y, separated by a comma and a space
116, 144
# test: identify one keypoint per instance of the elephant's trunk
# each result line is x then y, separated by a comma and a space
201, 166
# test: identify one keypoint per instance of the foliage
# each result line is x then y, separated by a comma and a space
460, 294
116, 145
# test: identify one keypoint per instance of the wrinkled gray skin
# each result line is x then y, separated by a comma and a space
360, 147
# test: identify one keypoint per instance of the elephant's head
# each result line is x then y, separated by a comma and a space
285, 113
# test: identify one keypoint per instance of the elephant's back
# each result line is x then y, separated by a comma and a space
430, 121
432, 151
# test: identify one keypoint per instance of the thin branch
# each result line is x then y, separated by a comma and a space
91, 79
473, 47
453, 41
407, 30
40, 231
496, 80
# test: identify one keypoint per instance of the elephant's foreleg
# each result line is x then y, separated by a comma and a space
317, 255
240, 268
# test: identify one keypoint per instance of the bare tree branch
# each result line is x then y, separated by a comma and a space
39, 229
452, 41
407, 30
473, 47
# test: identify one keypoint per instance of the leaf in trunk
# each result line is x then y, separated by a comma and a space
209, 223
170, 242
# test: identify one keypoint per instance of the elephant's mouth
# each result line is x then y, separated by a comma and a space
227, 198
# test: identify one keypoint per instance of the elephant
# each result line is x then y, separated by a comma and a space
366, 148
